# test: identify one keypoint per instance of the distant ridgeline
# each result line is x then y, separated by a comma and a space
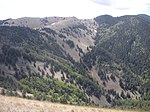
104, 61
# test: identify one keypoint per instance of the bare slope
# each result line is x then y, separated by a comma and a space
13, 104
31, 22
80, 33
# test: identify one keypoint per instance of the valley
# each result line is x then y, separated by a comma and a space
102, 62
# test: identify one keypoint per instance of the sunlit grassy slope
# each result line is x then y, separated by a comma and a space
14, 104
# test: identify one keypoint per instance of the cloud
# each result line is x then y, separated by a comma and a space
83, 9
103, 2
124, 7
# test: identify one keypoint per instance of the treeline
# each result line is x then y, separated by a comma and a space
133, 104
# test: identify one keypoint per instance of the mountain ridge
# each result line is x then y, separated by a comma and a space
105, 59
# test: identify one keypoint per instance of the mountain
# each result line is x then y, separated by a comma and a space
144, 16
92, 61
122, 49
49, 53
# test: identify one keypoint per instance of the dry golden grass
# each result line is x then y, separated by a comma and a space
14, 104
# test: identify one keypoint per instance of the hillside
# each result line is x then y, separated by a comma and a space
13, 104
103, 61
29, 54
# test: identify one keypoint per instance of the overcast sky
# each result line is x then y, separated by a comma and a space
67, 8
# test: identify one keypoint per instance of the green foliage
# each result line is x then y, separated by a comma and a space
9, 55
8, 82
133, 104
53, 90
122, 44
49, 31
70, 43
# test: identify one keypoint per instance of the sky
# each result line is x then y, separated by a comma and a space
82, 9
